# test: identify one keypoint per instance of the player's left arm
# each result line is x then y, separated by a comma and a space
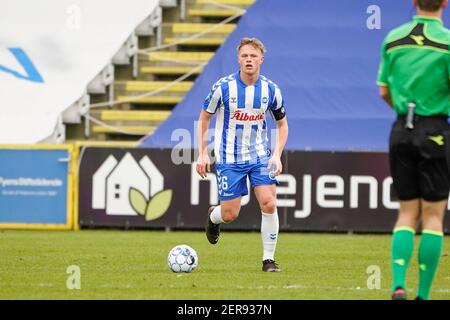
279, 114
282, 135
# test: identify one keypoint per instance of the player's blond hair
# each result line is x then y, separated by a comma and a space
254, 42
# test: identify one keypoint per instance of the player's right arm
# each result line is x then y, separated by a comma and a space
203, 161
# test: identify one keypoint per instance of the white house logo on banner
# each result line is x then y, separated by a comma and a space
129, 188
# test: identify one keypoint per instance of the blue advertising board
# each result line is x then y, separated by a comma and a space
34, 188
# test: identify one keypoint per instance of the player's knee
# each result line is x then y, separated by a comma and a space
268, 205
229, 214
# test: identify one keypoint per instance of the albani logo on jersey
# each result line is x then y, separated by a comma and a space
244, 116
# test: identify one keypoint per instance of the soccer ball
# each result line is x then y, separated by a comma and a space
182, 258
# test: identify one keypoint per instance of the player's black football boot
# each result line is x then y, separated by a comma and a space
270, 266
212, 230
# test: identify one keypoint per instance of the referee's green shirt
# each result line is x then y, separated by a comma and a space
415, 65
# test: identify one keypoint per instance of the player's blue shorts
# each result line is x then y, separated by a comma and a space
232, 178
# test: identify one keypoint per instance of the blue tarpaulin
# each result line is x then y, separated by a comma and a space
324, 56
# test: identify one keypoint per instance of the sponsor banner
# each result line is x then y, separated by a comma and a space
159, 188
34, 187
342, 191
132, 188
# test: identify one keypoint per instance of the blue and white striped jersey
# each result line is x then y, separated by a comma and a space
241, 129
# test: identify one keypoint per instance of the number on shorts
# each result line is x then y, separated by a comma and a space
223, 184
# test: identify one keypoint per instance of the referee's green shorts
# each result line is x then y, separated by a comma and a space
418, 158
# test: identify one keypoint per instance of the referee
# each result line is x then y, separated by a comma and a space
414, 80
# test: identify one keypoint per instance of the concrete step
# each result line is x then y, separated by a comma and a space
155, 100
135, 130
228, 2
97, 143
197, 42
166, 70
200, 27
134, 115
180, 56
205, 13
146, 86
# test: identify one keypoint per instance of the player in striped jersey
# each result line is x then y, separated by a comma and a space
241, 101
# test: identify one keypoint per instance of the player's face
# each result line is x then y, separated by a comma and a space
250, 59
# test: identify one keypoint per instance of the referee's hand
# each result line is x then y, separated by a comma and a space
275, 161
203, 165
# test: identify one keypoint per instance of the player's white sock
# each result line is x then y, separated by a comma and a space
216, 216
269, 234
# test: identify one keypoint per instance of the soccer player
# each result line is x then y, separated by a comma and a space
414, 80
241, 101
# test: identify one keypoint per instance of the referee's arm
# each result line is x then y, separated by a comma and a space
383, 72
385, 93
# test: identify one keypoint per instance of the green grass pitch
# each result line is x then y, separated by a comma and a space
132, 265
